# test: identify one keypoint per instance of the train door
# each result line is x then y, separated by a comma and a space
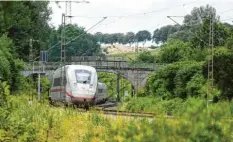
63, 81
57, 92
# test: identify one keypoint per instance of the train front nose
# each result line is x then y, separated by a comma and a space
81, 96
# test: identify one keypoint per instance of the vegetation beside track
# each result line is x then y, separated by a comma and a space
41, 122
180, 89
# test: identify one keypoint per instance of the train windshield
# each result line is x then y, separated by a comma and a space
83, 76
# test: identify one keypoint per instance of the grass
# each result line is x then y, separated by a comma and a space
129, 56
41, 122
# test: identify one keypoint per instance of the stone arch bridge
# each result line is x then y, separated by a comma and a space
136, 73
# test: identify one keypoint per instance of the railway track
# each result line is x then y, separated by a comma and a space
115, 112
118, 113
125, 113
110, 109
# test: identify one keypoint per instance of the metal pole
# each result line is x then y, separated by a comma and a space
211, 62
43, 67
62, 62
39, 84
118, 87
33, 67
30, 52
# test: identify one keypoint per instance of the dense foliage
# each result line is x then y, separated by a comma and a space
79, 43
22, 21
111, 81
128, 38
9, 66
191, 122
179, 88
186, 72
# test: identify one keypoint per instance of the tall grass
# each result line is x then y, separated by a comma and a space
192, 122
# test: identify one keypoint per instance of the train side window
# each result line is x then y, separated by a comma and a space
57, 81
100, 90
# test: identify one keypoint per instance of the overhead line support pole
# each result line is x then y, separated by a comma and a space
63, 53
211, 62
118, 87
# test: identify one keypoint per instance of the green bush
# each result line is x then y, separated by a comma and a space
155, 105
176, 80
192, 121
146, 57
9, 66
223, 74
175, 51
110, 80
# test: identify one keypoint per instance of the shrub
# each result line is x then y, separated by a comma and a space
146, 56
175, 80
175, 51
9, 67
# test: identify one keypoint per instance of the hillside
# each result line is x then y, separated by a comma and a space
117, 48
126, 51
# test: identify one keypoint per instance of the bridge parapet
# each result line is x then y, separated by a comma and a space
96, 64
136, 73
97, 58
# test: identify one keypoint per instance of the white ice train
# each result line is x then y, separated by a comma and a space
79, 85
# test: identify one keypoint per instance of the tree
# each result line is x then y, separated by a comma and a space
146, 57
120, 37
175, 51
200, 14
143, 36
9, 66
201, 39
229, 42
25, 20
161, 35
176, 80
192, 23
184, 35
223, 59
129, 38
99, 37
84, 44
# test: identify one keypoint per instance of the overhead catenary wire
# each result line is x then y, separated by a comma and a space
138, 14
78, 35
226, 11
142, 13
129, 15
227, 19
145, 13
86, 31
176, 22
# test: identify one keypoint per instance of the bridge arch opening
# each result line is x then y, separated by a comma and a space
110, 79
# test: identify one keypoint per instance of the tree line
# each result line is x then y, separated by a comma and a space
183, 31
187, 56
128, 38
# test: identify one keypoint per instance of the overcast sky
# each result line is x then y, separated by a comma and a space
90, 13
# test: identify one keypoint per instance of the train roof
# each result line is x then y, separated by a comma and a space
73, 67
77, 67
102, 85
81, 67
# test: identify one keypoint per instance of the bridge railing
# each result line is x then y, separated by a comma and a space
96, 64
55, 65
96, 58
144, 65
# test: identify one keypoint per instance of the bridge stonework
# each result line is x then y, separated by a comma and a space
135, 74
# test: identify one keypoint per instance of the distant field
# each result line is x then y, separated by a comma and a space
132, 55
126, 51
120, 49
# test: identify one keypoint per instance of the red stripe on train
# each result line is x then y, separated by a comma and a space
68, 94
